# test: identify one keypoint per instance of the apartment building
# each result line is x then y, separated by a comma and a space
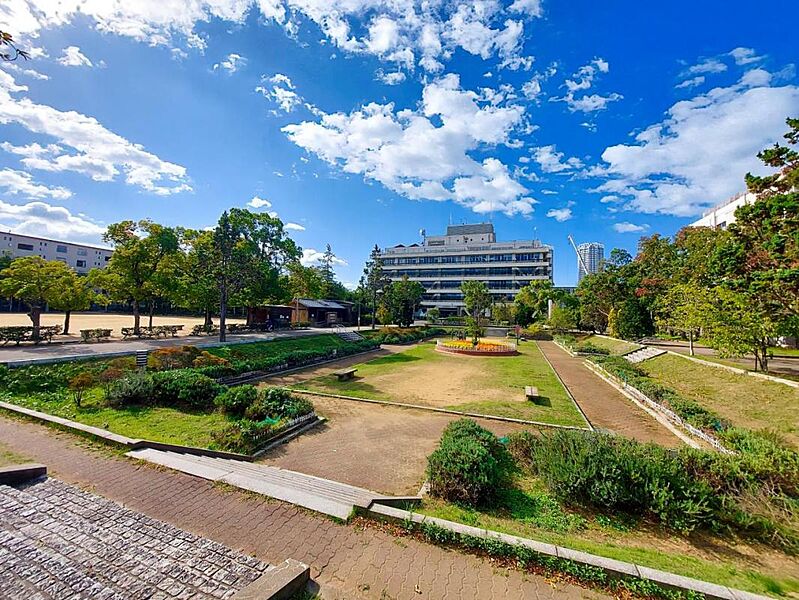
590, 257
722, 215
468, 253
80, 257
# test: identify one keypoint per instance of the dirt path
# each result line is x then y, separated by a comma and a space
381, 448
348, 562
605, 407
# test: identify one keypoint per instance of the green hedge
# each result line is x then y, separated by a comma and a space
388, 335
183, 387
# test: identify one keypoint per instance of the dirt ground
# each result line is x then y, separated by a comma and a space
115, 321
381, 448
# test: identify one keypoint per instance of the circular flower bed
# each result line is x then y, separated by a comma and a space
483, 348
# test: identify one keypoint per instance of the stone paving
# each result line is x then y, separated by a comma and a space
347, 562
57, 541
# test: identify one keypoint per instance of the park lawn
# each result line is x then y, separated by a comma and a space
158, 424
484, 385
528, 511
612, 344
234, 352
744, 400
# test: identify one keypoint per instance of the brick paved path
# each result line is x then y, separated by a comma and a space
605, 406
57, 541
348, 563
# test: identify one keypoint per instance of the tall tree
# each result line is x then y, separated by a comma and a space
133, 274
686, 308
73, 292
196, 286
477, 299
374, 279
35, 281
401, 301
532, 301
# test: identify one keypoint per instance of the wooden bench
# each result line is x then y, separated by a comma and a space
531, 392
87, 335
345, 374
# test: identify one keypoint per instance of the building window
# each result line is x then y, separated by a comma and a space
82, 252
81, 264
61, 249
22, 246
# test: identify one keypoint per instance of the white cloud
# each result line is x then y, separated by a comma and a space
390, 78
692, 82
87, 147
294, 227
231, 63
280, 90
709, 65
311, 257
698, 155
43, 219
551, 161
560, 214
72, 57
256, 202
744, 56
627, 227
425, 153
583, 80
21, 183
531, 7
27, 72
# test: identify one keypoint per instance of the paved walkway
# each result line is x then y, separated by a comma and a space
347, 562
605, 406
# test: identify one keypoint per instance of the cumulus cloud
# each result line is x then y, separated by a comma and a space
280, 91
20, 183
560, 214
390, 78
692, 82
708, 65
744, 56
231, 63
72, 57
84, 145
552, 161
399, 31
311, 257
258, 203
697, 156
427, 153
294, 227
43, 219
582, 80
627, 227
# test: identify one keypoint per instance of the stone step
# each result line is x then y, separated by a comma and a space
643, 354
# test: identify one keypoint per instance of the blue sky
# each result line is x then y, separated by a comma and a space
363, 121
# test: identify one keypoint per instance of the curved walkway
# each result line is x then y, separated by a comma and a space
347, 562
605, 406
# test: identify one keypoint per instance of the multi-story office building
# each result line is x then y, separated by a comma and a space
468, 252
591, 255
722, 215
80, 257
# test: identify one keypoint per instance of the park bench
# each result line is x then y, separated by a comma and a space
88, 335
203, 330
345, 374
531, 392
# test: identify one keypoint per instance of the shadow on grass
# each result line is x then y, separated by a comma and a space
399, 357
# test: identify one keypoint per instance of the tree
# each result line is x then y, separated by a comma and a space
503, 312
685, 308
375, 279
195, 282
73, 292
630, 320
532, 301
477, 299
401, 300
433, 314
562, 319
326, 272
35, 281
304, 282
132, 274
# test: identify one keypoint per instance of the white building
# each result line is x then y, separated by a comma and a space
591, 257
468, 253
723, 214
80, 257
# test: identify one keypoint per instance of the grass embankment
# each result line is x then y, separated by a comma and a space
482, 385
745, 401
613, 345
44, 388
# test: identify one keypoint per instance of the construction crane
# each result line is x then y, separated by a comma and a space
579, 256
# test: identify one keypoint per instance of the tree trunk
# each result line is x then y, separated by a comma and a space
136, 318
208, 322
374, 309
691, 342
67, 313
764, 358
222, 315
36, 316
152, 310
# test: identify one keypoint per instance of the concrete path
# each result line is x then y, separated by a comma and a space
24, 354
348, 562
605, 406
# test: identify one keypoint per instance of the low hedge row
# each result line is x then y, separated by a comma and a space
403, 335
182, 387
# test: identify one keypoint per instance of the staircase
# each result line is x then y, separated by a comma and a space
322, 495
348, 336
642, 354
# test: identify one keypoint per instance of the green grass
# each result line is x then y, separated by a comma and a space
612, 344
265, 349
528, 511
746, 401
9, 457
502, 378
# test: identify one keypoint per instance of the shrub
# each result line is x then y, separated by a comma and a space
79, 384
243, 436
589, 348
175, 357
184, 387
135, 389
206, 359
236, 400
278, 403
469, 465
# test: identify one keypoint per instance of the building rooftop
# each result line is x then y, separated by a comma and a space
470, 229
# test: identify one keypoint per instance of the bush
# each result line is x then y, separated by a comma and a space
243, 436
278, 403
186, 388
206, 359
79, 384
469, 465
133, 390
176, 357
589, 348
236, 400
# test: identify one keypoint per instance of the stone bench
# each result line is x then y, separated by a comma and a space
345, 374
531, 392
